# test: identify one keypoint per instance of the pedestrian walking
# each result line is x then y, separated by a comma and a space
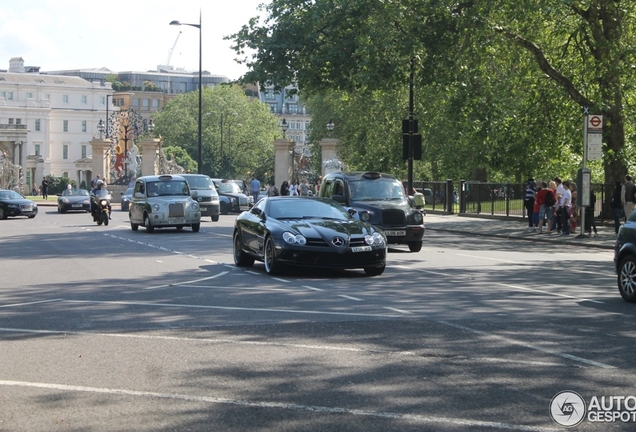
303, 189
45, 189
590, 223
529, 201
255, 186
566, 207
547, 198
284, 188
293, 189
537, 205
557, 208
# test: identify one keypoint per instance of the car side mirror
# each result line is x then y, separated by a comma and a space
258, 212
352, 212
338, 198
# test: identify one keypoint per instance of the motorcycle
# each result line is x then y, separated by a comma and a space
101, 206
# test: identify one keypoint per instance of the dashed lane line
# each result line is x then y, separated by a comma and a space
466, 423
187, 282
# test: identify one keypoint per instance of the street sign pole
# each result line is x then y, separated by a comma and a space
580, 191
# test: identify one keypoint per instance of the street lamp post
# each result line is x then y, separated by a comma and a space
330, 127
199, 156
106, 126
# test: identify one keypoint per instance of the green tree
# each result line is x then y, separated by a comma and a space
237, 132
511, 76
181, 157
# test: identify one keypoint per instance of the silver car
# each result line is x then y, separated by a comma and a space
163, 201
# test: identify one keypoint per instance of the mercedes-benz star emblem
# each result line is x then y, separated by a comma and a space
338, 241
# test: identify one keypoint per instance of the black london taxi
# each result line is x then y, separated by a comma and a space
380, 200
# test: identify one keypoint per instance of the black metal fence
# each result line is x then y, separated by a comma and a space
496, 199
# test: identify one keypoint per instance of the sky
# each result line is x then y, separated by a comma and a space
123, 35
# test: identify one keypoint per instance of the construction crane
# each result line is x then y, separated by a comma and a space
167, 63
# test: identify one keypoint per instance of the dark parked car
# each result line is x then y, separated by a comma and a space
73, 200
125, 199
306, 232
380, 200
231, 196
625, 259
14, 204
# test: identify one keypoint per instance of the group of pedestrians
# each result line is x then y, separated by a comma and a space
555, 203
286, 188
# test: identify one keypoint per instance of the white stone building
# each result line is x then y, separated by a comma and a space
47, 121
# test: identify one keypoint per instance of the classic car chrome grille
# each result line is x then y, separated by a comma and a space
393, 217
176, 210
243, 201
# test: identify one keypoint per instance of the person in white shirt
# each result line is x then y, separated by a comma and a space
557, 206
566, 205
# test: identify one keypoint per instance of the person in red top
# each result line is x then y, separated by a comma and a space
547, 205
537, 205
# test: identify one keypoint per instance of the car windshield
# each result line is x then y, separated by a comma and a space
75, 192
7, 195
378, 189
295, 208
101, 193
168, 188
229, 187
200, 183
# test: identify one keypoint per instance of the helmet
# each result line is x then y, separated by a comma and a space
99, 183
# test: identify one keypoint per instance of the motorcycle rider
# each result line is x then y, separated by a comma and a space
99, 185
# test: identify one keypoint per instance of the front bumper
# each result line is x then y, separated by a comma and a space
321, 258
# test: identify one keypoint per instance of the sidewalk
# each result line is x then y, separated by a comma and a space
514, 228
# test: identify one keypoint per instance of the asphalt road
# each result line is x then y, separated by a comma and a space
105, 329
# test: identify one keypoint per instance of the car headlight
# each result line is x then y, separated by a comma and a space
365, 216
417, 218
155, 207
195, 205
215, 199
65, 200
233, 200
375, 238
294, 239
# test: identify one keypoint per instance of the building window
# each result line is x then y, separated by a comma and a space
273, 107
65, 127
83, 125
47, 97
83, 151
29, 95
9, 95
10, 121
269, 94
102, 100
155, 104
65, 174
18, 121
3, 94
65, 99
145, 105
37, 125
135, 102
37, 149
121, 101
65, 151
292, 108
84, 100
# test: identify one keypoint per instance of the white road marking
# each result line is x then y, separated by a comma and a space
397, 310
252, 272
312, 288
187, 282
530, 346
187, 306
210, 261
491, 259
281, 280
421, 270
467, 423
547, 292
30, 303
349, 297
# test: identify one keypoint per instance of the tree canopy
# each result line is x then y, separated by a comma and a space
500, 85
237, 132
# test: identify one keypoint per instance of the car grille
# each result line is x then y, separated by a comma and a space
393, 217
176, 210
316, 242
204, 199
26, 207
353, 242
243, 201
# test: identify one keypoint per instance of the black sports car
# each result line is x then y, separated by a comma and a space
307, 232
73, 200
14, 204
